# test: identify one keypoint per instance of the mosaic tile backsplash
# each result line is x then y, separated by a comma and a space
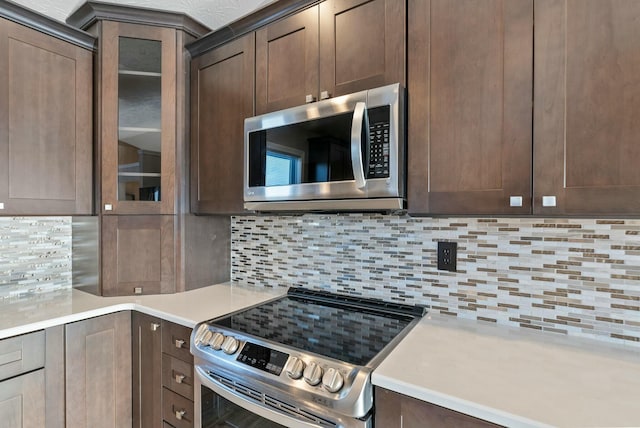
35, 255
568, 276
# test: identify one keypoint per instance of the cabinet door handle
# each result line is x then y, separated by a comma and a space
179, 343
515, 201
155, 326
180, 414
179, 377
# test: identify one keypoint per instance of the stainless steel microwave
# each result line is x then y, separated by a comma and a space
341, 154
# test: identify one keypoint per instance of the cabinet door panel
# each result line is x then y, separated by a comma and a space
138, 252
146, 345
45, 113
130, 141
587, 106
22, 401
98, 372
397, 410
287, 62
222, 93
362, 44
470, 68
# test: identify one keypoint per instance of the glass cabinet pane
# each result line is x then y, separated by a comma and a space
139, 119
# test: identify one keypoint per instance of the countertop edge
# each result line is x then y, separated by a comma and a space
453, 403
66, 319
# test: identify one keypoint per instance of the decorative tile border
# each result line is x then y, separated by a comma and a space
35, 255
570, 276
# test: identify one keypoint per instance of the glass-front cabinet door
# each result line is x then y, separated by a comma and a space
138, 98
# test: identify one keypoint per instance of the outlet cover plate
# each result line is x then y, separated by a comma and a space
447, 256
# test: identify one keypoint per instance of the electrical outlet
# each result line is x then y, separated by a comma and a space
447, 255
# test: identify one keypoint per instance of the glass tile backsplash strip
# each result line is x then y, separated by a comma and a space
35, 255
579, 277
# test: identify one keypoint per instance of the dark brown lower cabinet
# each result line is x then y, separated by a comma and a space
162, 380
146, 358
395, 410
22, 401
98, 372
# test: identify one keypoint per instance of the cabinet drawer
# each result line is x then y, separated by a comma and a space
177, 375
177, 410
175, 340
21, 354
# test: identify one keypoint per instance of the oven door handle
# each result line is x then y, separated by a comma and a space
241, 401
360, 120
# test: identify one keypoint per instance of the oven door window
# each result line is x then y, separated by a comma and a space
220, 413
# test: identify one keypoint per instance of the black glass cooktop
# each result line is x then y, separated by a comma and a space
339, 330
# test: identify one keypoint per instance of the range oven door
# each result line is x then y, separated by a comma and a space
220, 406
345, 148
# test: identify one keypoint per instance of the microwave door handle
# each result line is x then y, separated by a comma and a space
360, 119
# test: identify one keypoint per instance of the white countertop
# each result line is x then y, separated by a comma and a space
515, 377
509, 376
24, 315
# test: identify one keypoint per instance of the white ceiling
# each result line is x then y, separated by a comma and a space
212, 13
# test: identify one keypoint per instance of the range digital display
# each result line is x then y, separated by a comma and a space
262, 358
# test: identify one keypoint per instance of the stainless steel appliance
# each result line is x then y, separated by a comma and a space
344, 153
302, 360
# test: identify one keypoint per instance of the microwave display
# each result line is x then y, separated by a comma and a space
318, 151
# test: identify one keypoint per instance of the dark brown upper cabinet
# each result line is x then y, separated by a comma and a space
222, 94
137, 118
45, 122
587, 107
332, 49
470, 65
362, 45
138, 254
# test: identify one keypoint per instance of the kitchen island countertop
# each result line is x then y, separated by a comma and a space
515, 377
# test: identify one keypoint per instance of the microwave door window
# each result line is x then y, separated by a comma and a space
315, 151
283, 167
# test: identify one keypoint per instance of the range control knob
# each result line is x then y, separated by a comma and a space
230, 345
216, 341
313, 374
206, 337
295, 368
202, 330
332, 380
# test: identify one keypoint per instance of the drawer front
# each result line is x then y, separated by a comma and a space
177, 410
175, 340
177, 375
21, 354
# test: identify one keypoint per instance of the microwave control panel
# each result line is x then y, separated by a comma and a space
378, 159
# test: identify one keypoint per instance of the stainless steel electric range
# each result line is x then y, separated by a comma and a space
301, 360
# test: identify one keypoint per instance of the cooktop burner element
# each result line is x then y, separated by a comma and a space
304, 358
334, 331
